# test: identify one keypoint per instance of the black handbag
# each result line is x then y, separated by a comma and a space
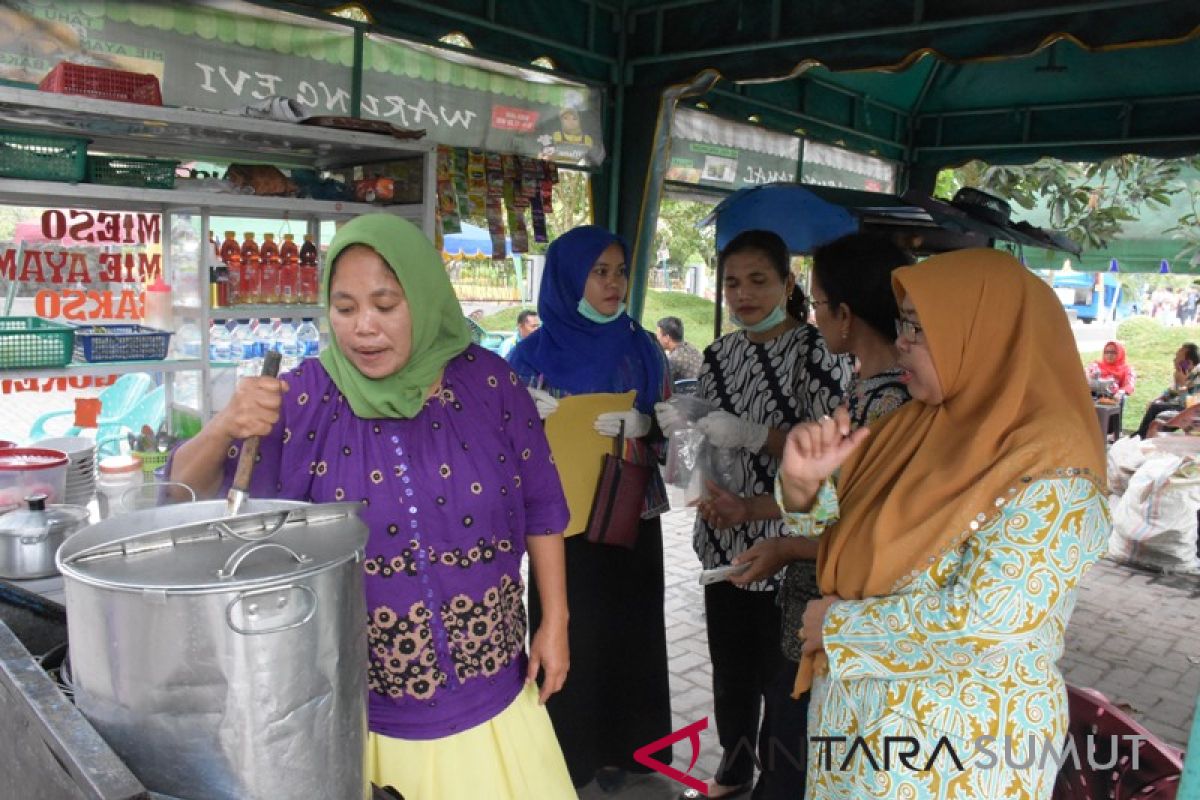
620, 496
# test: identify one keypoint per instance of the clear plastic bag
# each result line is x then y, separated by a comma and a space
691, 460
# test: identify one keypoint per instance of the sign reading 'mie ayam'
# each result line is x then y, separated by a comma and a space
79, 256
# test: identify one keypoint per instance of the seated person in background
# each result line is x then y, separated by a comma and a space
1187, 381
1110, 377
684, 359
528, 321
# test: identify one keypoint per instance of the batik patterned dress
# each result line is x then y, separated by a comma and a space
791, 378
449, 497
967, 648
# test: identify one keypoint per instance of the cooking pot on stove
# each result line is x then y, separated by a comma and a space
224, 658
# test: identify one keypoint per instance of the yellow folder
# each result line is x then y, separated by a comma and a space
579, 451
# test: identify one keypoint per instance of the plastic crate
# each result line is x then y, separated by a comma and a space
152, 460
102, 83
34, 342
120, 343
144, 173
42, 157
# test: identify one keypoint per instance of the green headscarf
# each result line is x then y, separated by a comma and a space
439, 330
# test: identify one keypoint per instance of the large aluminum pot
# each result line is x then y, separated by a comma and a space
225, 657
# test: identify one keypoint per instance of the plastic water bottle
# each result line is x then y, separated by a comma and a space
242, 341
308, 338
264, 337
187, 341
220, 346
285, 340
288, 347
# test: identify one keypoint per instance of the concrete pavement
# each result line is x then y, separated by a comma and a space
1134, 637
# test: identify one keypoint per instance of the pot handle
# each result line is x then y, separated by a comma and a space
272, 610
245, 551
281, 518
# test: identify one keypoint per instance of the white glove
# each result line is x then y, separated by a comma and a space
637, 424
669, 418
546, 403
727, 430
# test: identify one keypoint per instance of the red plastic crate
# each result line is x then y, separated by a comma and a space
106, 84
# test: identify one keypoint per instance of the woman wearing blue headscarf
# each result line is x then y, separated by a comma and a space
618, 695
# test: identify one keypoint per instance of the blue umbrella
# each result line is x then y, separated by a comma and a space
802, 219
472, 240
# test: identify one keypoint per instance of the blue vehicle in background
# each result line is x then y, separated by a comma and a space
1091, 295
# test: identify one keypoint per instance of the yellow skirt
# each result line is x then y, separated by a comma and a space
512, 756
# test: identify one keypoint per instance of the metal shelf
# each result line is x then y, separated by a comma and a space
170, 365
127, 198
193, 134
272, 311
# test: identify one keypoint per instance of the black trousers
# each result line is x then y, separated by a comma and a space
784, 756
743, 644
1153, 411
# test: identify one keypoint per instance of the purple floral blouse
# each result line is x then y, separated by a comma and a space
449, 497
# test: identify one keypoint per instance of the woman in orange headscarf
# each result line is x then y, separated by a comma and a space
952, 537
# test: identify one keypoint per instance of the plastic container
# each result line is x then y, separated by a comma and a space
219, 345
264, 337
285, 341
120, 343
187, 341
118, 474
103, 83
26, 471
308, 339
35, 342
142, 173
242, 344
159, 313
42, 157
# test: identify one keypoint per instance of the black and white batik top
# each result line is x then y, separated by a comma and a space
790, 379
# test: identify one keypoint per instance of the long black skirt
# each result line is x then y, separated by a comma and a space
617, 696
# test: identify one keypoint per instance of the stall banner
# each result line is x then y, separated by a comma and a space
707, 150
827, 165
84, 266
228, 55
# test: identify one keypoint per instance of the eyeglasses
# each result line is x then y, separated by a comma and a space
908, 330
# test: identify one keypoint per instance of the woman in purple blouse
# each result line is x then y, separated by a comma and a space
444, 448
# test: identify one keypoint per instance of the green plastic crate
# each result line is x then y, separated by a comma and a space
34, 342
42, 157
143, 173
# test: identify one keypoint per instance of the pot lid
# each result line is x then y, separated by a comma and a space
38, 518
20, 459
216, 555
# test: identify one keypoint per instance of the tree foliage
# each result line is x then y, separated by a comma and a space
1089, 202
678, 231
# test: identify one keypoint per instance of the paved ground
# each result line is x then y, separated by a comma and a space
1133, 637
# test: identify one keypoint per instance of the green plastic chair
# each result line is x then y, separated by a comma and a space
150, 410
115, 402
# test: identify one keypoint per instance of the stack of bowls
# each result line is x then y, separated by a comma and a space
81, 472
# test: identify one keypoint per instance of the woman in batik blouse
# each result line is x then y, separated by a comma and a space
952, 538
